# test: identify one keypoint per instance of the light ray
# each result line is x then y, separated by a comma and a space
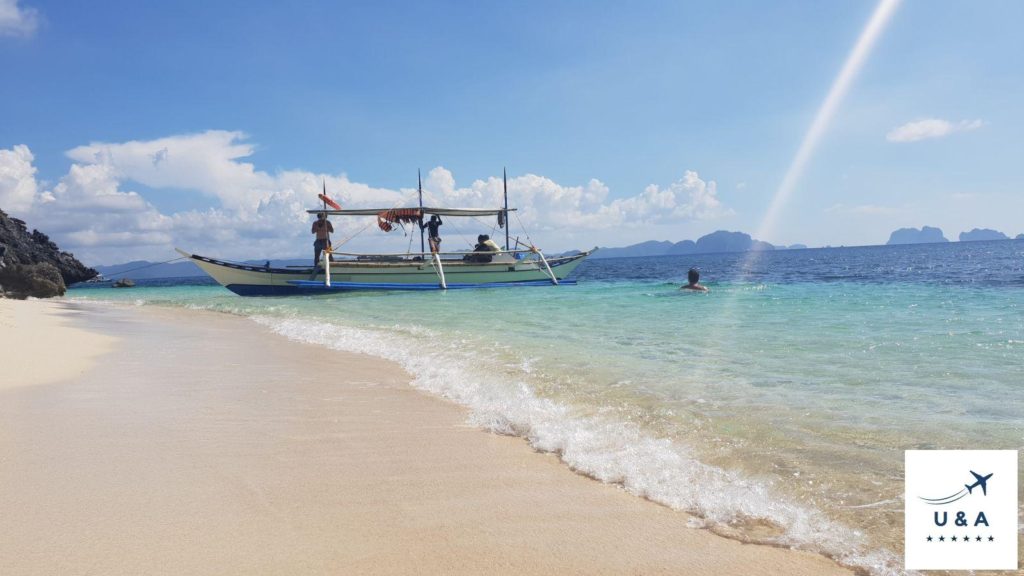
854, 62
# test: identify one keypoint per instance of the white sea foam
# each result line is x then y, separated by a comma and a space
498, 391
502, 401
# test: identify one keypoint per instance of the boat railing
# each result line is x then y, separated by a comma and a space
502, 257
436, 261
405, 256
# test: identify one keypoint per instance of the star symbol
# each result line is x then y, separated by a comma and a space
978, 539
942, 538
990, 538
967, 538
929, 538
953, 539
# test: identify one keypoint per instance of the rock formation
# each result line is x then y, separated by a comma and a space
725, 241
32, 265
720, 241
926, 235
979, 234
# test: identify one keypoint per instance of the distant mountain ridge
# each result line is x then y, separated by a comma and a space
980, 234
719, 241
145, 270
716, 242
926, 235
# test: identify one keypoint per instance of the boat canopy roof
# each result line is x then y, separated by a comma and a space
425, 210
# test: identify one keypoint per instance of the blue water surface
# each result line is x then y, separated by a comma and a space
807, 372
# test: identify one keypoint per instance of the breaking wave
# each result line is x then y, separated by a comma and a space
501, 400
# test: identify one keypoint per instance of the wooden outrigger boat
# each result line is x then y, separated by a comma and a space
340, 271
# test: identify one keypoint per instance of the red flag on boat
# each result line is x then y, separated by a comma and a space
327, 200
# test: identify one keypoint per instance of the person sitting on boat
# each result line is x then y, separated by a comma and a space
322, 228
484, 250
489, 244
693, 277
432, 234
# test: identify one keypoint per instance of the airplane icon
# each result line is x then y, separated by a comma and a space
981, 481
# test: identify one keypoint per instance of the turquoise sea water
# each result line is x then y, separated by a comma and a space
776, 408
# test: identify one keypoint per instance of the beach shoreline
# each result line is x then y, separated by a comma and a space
197, 442
41, 343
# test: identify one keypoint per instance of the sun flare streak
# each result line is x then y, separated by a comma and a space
854, 62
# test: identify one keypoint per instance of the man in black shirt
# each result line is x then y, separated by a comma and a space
432, 234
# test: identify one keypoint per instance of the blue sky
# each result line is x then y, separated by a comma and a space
633, 96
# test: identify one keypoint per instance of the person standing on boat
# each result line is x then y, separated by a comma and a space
432, 234
322, 228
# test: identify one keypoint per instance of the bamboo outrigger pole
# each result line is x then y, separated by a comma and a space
440, 270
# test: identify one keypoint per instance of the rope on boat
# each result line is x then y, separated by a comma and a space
525, 231
458, 232
120, 272
403, 200
408, 249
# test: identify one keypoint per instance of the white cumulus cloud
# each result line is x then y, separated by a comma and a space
17, 21
930, 128
17, 179
548, 205
94, 211
208, 162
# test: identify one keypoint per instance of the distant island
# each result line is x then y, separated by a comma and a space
925, 235
725, 241
143, 269
720, 241
929, 235
716, 242
980, 234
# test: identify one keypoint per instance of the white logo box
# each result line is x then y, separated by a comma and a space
961, 509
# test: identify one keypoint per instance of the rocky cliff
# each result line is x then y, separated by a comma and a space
32, 265
979, 234
926, 235
720, 241
725, 241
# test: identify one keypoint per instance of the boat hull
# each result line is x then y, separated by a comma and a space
349, 275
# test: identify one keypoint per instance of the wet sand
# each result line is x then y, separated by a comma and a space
184, 442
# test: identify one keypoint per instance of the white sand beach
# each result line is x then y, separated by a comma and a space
39, 343
153, 441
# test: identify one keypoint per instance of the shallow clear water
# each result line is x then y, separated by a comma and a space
777, 407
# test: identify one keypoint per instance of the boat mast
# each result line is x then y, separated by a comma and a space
504, 179
325, 210
419, 181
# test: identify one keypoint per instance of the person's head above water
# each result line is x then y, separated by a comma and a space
321, 215
693, 276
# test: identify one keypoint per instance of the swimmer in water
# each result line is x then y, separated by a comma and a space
693, 276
